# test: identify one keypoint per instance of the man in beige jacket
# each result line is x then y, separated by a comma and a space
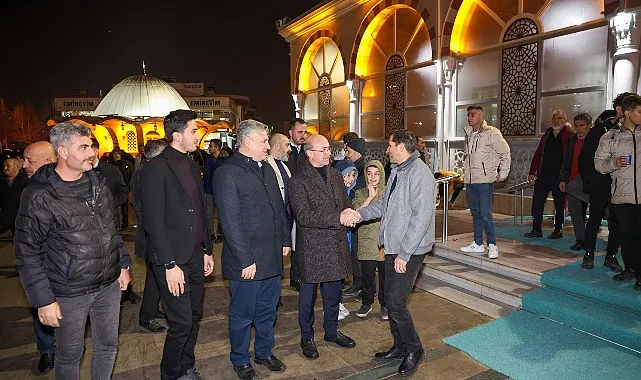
617, 155
487, 160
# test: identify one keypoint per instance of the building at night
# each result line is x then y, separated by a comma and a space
132, 112
374, 67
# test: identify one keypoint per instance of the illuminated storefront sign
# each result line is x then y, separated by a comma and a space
76, 104
207, 102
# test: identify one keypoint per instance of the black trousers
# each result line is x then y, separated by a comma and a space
183, 314
369, 281
293, 269
541, 190
331, 293
357, 272
629, 221
398, 287
599, 202
150, 296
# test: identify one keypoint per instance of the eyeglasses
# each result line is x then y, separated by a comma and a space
324, 150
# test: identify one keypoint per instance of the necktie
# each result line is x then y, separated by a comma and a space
283, 173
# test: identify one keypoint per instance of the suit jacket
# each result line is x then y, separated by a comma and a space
321, 241
294, 158
281, 186
168, 214
252, 216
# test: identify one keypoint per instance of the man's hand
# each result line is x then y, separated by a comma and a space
400, 265
531, 178
562, 186
249, 272
209, 264
622, 161
349, 217
124, 279
50, 315
286, 250
175, 280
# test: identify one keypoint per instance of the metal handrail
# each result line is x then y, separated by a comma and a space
515, 189
446, 181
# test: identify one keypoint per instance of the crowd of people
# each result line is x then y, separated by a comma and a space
339, 219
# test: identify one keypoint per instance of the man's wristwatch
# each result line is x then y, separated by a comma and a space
170, 265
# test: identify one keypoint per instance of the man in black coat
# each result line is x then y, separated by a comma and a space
598, 186
297, 130
149, 313
68, 253
178, 243
257, 236
317, 197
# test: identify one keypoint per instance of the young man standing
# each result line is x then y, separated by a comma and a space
487, 161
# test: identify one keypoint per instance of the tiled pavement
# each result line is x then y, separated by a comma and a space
140, 353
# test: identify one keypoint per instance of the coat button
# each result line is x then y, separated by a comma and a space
191, 228
191, 210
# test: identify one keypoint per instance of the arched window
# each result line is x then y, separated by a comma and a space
395, 60
322, 80
132, 141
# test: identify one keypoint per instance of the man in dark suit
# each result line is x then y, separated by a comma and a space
317, 196
297, 130
257, 235
177, 240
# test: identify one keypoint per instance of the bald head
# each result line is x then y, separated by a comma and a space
37, 154
279, 147
318, 151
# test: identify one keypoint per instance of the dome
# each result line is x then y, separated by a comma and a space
141, 96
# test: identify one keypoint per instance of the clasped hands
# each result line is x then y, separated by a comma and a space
350, 217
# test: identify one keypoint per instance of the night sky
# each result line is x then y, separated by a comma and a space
53, 48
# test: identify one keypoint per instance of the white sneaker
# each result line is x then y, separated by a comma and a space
473, 248
492, 251
342, 312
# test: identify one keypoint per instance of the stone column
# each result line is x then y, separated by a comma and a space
298, 104
354, 86
624, 28
446, 107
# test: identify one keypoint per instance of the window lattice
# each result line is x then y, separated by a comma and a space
394, 96
324, 106
519, 77
132, 142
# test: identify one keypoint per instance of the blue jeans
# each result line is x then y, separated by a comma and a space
252, 302
45, 338
103, 307
480, 196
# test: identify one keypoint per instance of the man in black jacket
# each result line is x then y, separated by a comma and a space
297, 130
178, 243
598, 186
257, 236
68, 253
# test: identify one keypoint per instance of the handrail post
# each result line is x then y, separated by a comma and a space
445, 209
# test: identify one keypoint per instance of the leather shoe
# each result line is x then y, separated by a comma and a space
46, 363
612, 263
627, 275
637, 285
533, 234
309, 349
152, 326
393, 353
577, 246
341, 339
556, 234
272, 363
246, 372
410, 362
588, 261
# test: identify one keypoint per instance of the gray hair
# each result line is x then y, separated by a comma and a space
62, 133
247, 128
154, 148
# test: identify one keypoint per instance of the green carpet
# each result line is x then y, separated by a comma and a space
523, 345
515, 232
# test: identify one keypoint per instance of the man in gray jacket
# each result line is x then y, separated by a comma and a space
407, 232
617, 155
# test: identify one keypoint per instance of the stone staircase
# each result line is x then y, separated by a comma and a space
490, 287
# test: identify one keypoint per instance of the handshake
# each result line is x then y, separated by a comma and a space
350, 217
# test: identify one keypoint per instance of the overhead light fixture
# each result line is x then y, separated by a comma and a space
122, 125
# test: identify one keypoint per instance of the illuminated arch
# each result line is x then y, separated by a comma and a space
305, 55
385, 6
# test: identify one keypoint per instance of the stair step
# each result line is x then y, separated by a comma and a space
481, 304
595, 284
477, 280
491, 265
615, 325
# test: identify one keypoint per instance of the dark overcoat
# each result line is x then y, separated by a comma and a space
321, 241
